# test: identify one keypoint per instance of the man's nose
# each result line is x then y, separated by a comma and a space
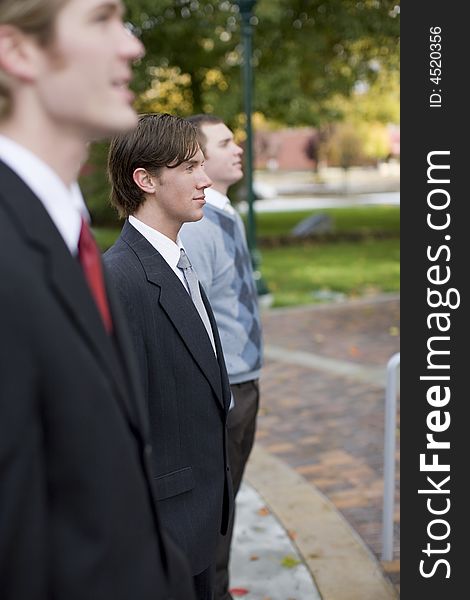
131, 47
204, 180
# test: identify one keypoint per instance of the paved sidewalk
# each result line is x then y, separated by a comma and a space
319, 455
265, 562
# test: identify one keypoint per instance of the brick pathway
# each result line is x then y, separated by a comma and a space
329, 425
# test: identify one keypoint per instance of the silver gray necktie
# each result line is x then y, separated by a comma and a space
193, 285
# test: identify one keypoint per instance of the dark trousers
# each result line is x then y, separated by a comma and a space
241, 434
204, 584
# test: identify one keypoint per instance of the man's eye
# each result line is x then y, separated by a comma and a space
102, 18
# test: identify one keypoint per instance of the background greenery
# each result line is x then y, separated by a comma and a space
306, 53
310, 271
332, 65
359, 220
306, 274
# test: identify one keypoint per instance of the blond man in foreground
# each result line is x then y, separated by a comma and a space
78, 518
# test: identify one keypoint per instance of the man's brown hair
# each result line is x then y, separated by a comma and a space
159, 140
33, 17
199, 121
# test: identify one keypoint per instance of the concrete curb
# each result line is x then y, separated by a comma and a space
342, 566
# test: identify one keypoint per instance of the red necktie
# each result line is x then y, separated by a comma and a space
90, 260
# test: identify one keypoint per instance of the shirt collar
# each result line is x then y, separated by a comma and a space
167, 248
216, 198
65, 205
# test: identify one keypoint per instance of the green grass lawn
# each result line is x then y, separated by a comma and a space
302, 273
357, 219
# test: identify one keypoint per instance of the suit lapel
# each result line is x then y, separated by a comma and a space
69, 285
180, 309
178, 306
65, 277
225, 385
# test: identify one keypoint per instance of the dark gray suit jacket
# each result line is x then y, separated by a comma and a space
187, 394
78, 516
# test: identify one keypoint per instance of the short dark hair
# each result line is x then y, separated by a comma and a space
159, 140
199, 121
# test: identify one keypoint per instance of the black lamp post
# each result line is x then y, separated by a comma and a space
246, 12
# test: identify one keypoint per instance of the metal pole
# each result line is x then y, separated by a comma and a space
246, 11
389, 456
247, 34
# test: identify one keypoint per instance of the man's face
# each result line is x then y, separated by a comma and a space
180, 193
223, 156
82, 83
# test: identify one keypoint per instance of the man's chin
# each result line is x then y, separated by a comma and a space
196, 216
237, 176
120, 122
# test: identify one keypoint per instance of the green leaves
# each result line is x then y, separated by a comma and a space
289, 562
304, 51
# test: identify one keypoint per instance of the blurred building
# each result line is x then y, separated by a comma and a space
296, 149
284, 149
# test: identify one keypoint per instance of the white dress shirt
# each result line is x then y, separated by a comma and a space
65, 205
219, 200
167, 248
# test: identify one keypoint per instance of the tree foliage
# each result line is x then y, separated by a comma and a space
308, 58
304, 52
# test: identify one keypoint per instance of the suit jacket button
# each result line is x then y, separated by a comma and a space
148, 449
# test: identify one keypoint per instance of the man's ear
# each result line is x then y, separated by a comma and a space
144, 180
20, 55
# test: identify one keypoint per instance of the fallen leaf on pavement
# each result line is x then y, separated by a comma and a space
289, 562
292, 534
239, 591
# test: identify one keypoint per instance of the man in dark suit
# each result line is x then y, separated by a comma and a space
158, 183
78, 515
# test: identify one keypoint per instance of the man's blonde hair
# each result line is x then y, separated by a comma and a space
33, 17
